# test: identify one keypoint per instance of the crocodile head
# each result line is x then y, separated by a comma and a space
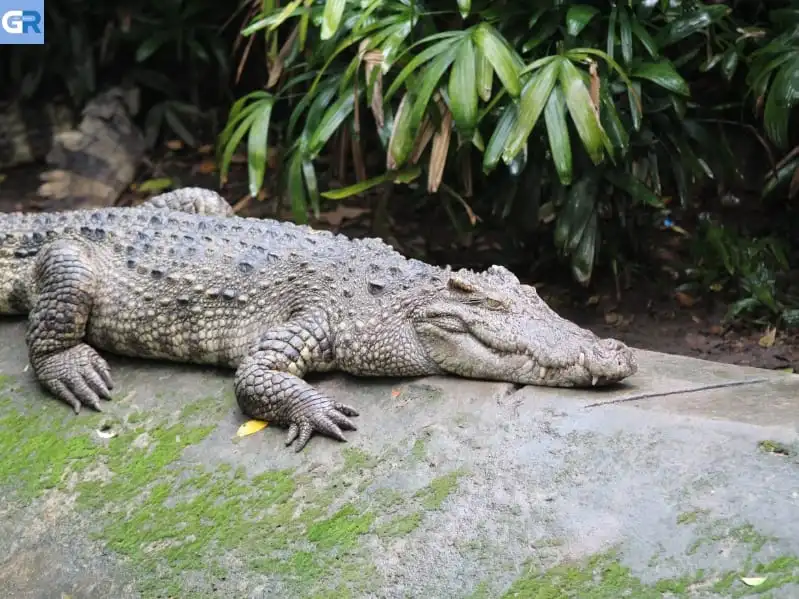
489, 326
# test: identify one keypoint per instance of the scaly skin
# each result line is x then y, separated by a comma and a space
180, 279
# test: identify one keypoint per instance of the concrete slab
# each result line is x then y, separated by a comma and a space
451, 488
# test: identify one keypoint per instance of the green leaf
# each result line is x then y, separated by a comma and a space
581, 109
464, 6
500, 55
296, 188
636, 113
334, 10
430, 80
404, 176
257, 146
730, 63
558, 134
626, 36
791, 318
463, 88
782, 97
782, 176
646, 40
695, 21
583, 258
544, 31
499, 139
151, 45
611, 123
434, 51
233, 142
403, 135
533, 100
635, 187
155, 185
610, 43
578, 16
576, 212
331, 121
485, 75
284, 14
663, 74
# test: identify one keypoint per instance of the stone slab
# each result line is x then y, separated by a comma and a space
450, 488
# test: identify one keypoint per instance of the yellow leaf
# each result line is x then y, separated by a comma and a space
174, 144
438, 154
250, 427
754, 582
769, 338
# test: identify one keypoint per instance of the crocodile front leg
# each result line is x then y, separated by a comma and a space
269, 384
67, 367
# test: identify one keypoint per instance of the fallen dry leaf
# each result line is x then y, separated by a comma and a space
340, 214
685, 300
769, 338
206, 167
612, 318
206, 149
250, 427
174, 144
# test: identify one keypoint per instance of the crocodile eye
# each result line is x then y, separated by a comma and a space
494, 304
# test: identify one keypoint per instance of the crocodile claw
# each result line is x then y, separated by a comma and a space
327, 420
78, 376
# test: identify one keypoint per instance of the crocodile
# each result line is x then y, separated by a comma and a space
91, 158
181, 278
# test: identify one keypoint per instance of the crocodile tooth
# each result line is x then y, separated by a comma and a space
542, 373
581, 359
594, 381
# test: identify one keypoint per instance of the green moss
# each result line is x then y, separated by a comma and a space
419, 449
38, 448
436, 493
776, 447
358, 459
400, 525
6, 380
690, 517
481, 591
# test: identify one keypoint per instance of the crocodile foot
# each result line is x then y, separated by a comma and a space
77, 376
324, 416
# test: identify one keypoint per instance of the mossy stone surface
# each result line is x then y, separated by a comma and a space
449, 488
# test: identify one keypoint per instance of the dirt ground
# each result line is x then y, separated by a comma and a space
646, 316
